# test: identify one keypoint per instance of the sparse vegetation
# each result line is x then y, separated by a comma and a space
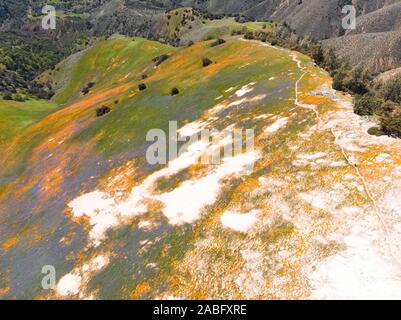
391, 122
367, 105
24, 56
391, 91
218, 42
376, 131
206, 62
160, 59
102, 111
174, 91
382, 101
87, 88
142, 87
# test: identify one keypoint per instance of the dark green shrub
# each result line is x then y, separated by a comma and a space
391, 124
206, 62
249, 35
317, 54
102, 111
217, 42
338, 81
355, 86
87, 88
389, 107
142, 87
7, 96
367, 105
392, 90
160, 59
330, 60
376, 131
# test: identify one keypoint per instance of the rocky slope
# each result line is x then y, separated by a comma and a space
376, 41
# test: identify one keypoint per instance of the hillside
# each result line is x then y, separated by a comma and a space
375, 44
378, 21
76, 191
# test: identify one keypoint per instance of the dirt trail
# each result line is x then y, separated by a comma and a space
369, 193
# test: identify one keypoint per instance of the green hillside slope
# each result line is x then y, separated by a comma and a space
57, 155
77, 191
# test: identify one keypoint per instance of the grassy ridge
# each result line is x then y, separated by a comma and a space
72, 151
189, 25
108, 63
137, 113
116, 66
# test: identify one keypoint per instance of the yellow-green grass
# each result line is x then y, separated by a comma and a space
116, 66
107, 63
138, 112
221, 28
208, 28
16, 116
233, 25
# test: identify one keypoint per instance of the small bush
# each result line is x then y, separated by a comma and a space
249, 35
355, 86
160, 59
174, 91
87, 88
217, 42
18, 97
7, 96
338, 81
317, 54
391, 124
206, 62
389, 107
367, 105
102, 111
392, 90
376, 131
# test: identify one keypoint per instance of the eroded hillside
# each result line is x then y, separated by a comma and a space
317, 216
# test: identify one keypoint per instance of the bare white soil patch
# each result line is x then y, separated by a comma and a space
277, 125
241, 222
74, 283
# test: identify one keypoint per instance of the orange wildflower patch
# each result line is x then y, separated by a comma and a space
9, 243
